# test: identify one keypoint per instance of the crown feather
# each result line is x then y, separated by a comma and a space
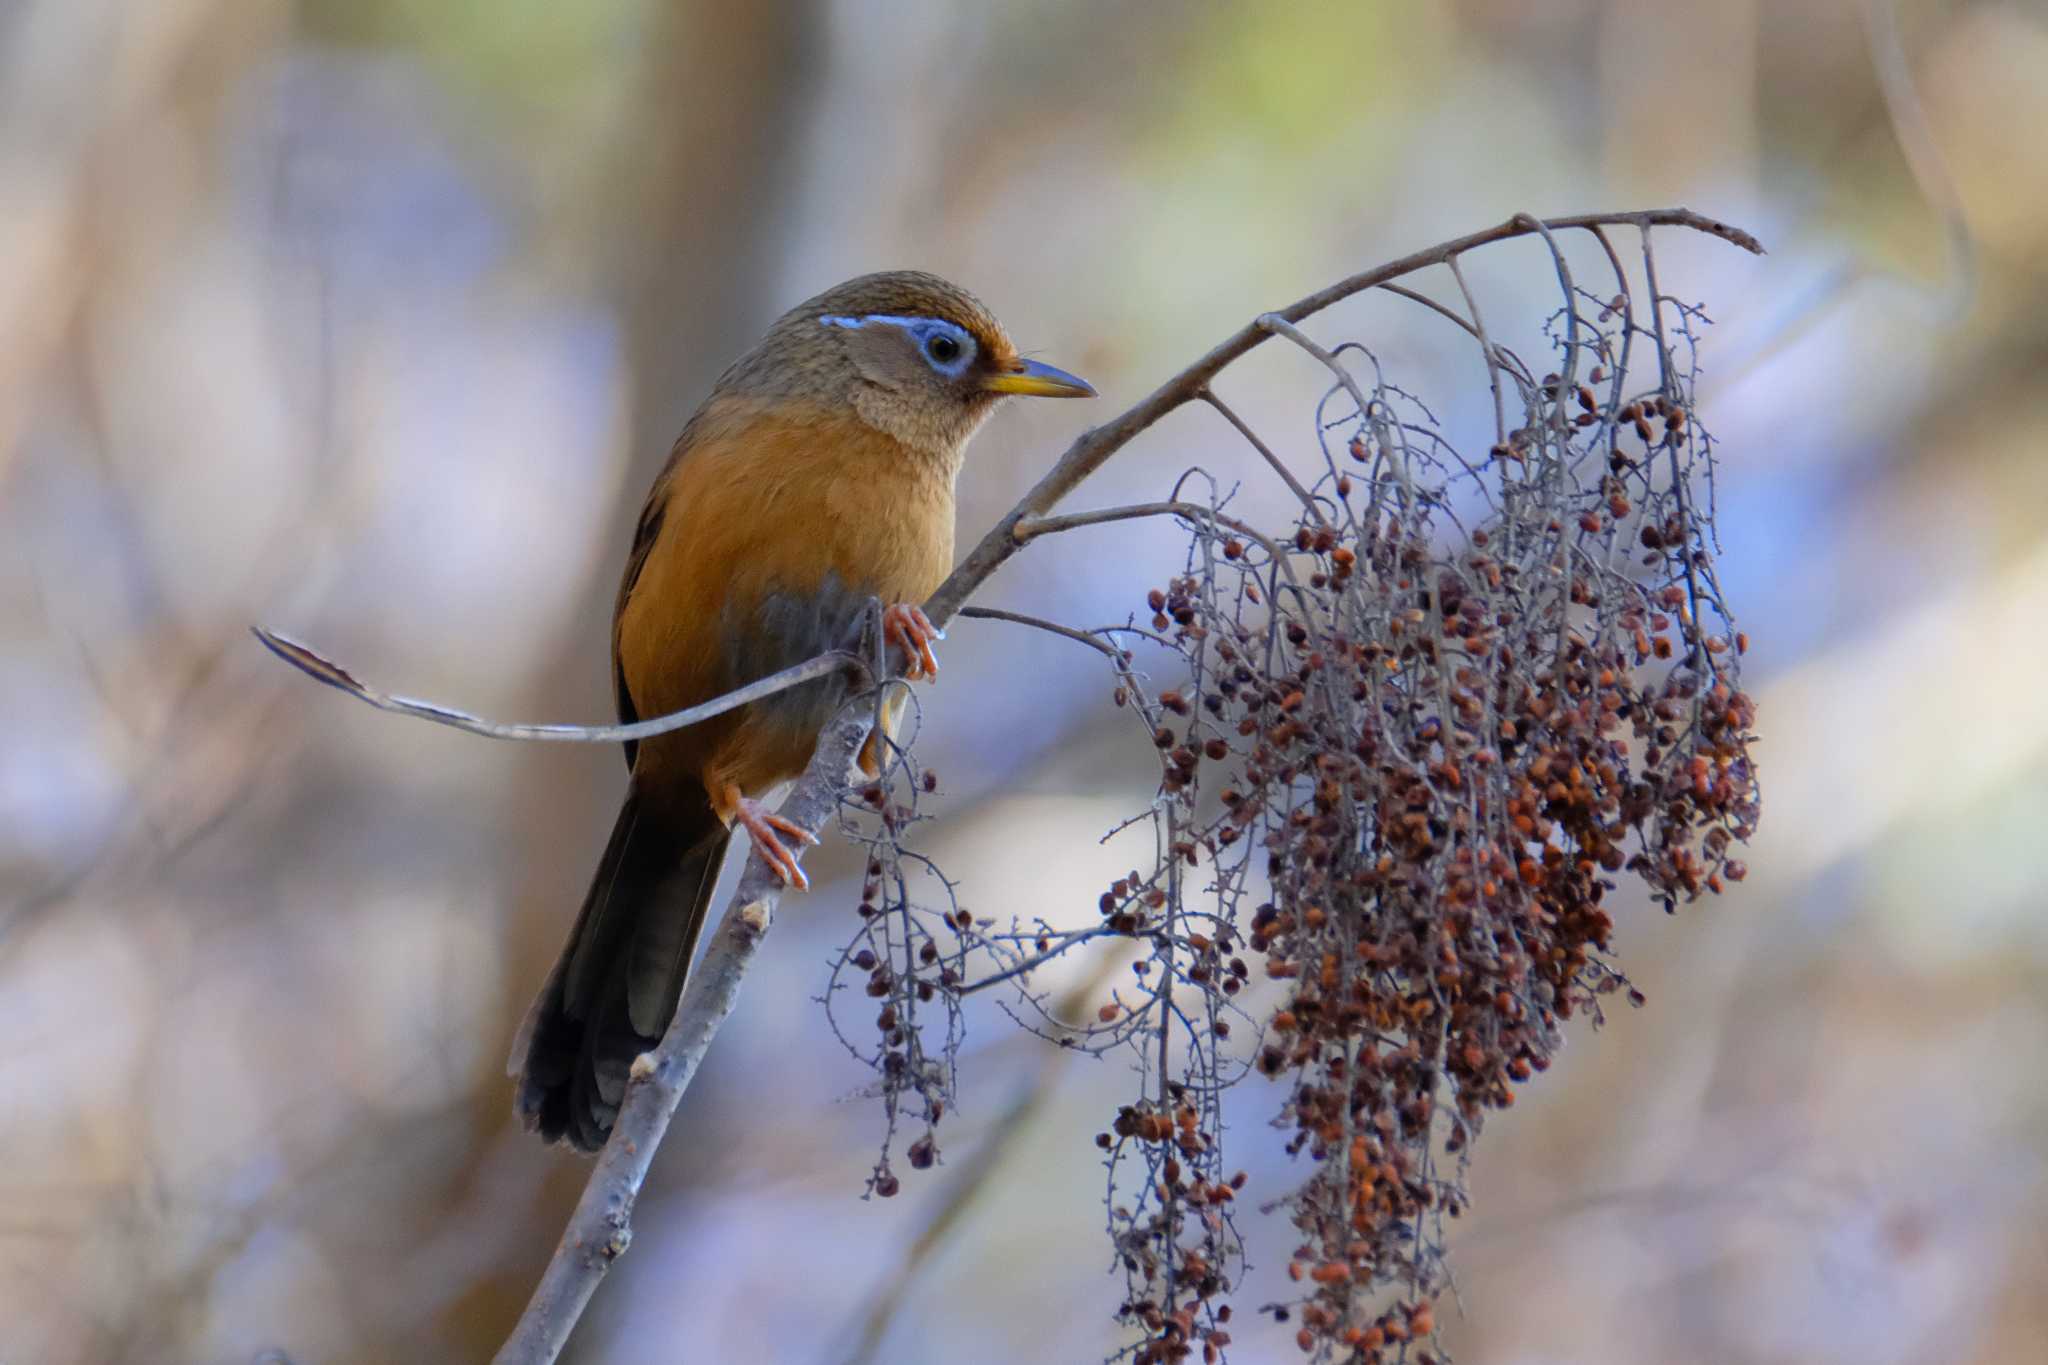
909, 294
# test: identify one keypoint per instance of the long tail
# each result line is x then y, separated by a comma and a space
613, 992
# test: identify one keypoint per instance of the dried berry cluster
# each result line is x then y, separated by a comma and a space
906, 960
1435, 743
1420, 738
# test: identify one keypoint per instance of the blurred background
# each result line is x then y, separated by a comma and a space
370, 320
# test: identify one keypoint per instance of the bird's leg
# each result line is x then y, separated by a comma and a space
907, 627
766, 829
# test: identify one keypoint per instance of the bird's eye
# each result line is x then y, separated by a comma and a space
943, 349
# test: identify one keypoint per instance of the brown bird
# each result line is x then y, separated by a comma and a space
816, 478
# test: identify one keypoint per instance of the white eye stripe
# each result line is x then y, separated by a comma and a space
906, 323
923, 331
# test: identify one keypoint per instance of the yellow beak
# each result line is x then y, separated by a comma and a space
1033, 380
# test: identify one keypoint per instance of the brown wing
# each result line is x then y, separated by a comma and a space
651, 517
761, 546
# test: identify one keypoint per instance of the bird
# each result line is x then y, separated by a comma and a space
816, 479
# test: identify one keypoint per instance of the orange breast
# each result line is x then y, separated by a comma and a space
778, 527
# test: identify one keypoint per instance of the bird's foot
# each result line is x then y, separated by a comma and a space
766, 829
907, 627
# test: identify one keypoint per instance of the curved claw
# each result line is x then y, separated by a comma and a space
907, 627
766, 829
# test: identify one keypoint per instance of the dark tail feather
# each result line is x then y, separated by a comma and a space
611, 995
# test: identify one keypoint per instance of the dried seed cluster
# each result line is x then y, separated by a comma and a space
904, 961
1419, 740
1435, 744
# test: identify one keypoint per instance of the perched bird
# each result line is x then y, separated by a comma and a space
816, 478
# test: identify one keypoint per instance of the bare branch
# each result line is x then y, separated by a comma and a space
1093, 448
317, 666
1417, 296
1055, 948
1280, 326
1028, 531
1278, 465
601, 1228
1478, 329
1018, 618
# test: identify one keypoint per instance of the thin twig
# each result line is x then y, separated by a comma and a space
317, 666
1018, 618
1004, 1137
1280, 326
1028, 531
1054, 948
1278, 465
1478, 329
1417, 296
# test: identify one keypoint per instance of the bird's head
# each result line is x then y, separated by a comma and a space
913, 355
